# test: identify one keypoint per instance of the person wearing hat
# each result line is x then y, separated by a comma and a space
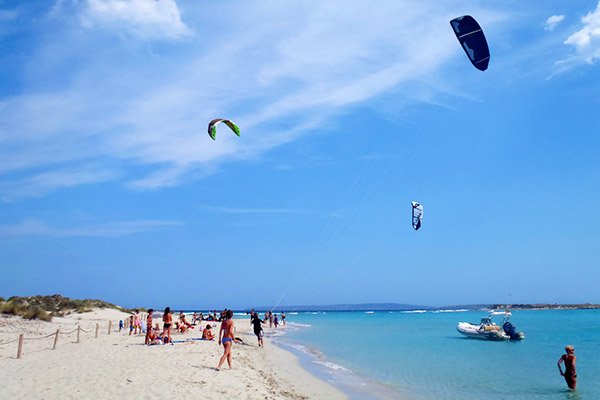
570, 373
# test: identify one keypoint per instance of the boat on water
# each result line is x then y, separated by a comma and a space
488, 330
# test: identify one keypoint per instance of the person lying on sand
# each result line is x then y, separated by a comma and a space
153, 337
180, 327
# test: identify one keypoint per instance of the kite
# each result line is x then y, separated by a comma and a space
469, 34
212, 127
417, 215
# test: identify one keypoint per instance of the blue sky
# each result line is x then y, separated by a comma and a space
111, 188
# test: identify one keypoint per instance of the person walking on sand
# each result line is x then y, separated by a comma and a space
570, 373
168, 321
226, 337
258, 331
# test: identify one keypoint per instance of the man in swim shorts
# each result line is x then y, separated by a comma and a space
570, 373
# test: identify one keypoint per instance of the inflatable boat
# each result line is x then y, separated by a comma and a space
488, 330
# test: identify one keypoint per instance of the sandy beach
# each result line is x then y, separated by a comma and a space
118, 364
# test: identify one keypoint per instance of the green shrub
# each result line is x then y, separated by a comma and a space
12, 308
55, 304
37, 312
2, 299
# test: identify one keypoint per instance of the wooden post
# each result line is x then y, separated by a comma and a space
56, 339
78, 330
97, 327
20, 346
109, 326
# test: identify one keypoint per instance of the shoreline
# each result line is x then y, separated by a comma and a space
353, 384
120, 365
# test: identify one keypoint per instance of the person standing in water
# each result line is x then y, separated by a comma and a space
226, 337
570, 373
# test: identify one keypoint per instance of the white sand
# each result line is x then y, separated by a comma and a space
117, 365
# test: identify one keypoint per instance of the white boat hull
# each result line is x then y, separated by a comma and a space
479, 332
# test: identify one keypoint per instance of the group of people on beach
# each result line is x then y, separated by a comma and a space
226, 332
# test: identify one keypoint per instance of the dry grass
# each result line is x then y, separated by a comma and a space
25, 311
45, 307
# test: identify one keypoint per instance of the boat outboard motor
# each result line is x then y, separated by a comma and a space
510, 331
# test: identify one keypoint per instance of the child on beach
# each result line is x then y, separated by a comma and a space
275, 321
226, 337
120, 325
570, 373
130, 324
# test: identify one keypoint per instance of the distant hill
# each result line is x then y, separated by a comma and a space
349, 307
412, 307
546, 306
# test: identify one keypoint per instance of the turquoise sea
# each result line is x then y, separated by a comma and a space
420, 355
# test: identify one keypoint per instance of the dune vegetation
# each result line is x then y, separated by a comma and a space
46, 307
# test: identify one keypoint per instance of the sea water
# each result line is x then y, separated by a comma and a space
420, 355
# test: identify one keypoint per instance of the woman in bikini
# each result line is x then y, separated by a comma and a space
570, 373
149, 326
226, 337
168, 321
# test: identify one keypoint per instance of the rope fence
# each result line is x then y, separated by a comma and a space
56, 335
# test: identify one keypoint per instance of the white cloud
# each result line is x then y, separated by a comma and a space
553, 21
586, 41
46, 182
279, 70
8, 15
31, 227
143, 18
